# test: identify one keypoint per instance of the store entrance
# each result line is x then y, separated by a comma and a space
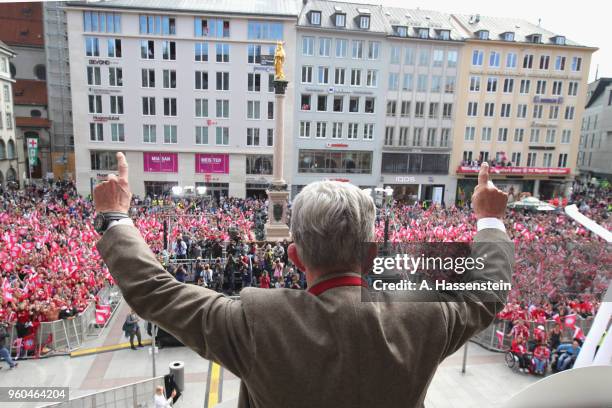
159, 188
433, 193
215, 190
256, 190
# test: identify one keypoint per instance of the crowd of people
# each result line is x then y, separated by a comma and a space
50, 268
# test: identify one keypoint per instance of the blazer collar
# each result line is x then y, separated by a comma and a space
336, 280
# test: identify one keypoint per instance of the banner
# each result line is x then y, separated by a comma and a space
158, 162
32, 151
212, 163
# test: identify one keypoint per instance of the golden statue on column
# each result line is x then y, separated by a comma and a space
279, 60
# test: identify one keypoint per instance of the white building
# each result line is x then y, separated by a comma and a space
8, 152
375, 98
182, 91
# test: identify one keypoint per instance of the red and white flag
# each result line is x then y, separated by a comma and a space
579, 334
570, 320
500, 338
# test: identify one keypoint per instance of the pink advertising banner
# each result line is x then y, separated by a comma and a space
158, 162
212, 163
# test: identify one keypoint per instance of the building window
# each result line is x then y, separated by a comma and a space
259, 164
477, 58
201, 51
395, 55
419, 109
391, 108
528, 61
544, 61
525, 85
436, 84
562, 160
489, 109
540, 87
393, 81
336, 130
569, 113
447, 111
511, 60
535, 136
315, 17
403, 136
156, 24
270, 82
424, 57
116, 105
470, 133
505, 110
557, 88
253, 109
324, 47
321, 132
364, 22
211, 27
472, 109
368, 131
537, 111
423, 33
148, 134
566, 136
373, 50
201, 108
201, 135
355, 77
445, 137
147, 49
222, 81
576, 64
325, 161
96, 132
550, 136
222, 136
252, 137
169, 50
547, 160
431, 137
407, 82
560, 63
494, 59
340, 20
321, 103
508, 85
117, 132
148, 105
353, 129
114, 48
341, 48
306, 74
115, 76
222, 52
92, 47
433, 110
308, 46
101, 160
170, 135
518, 135
169, 106
270, 138
358, 49
572, 89
101, 22
222, 108
354, 104
148, 78
169, 79
516, 159
270, 110
492, 84
323, 78
451, 59
521, 111
369, 105
389, 130
304, 129
338, 104
409, 56
253, 82
265, 30
553, 112
474, 84
95, 103
422, 83
339, 76
486, 134
305, 102
93, 76
372, 78
502, 135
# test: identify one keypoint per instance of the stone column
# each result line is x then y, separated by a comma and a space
278, 194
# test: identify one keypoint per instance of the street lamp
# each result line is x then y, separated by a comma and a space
201, 190
177, 190
386, 197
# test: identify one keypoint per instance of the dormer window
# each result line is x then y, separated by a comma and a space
509, 36
364, 22
483, 34
559, 40
340, 19
534, 38
444, 34
401, 31
423, 33
315, 17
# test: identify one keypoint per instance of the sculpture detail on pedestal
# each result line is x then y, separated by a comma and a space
279, 61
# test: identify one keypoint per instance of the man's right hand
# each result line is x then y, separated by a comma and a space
114, 194
488, 200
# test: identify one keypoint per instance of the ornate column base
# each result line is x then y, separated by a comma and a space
276, 227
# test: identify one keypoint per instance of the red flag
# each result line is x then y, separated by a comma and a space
570, 320
500, 338
28, 342
578, 334
557, 318
101, 316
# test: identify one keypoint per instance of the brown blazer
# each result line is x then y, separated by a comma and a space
294, 349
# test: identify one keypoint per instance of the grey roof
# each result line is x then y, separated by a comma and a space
6, 48
471, 24
286, 8
417, 18
352, 11
596, 89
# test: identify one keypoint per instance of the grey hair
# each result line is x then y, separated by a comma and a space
330, 223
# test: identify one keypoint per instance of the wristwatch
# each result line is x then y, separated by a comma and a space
103, 220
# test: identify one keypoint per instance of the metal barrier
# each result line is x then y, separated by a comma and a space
66, 335
135, 395
488, 339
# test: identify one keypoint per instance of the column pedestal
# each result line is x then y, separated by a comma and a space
278, 193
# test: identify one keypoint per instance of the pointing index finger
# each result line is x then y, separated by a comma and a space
122, 165
483, 175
